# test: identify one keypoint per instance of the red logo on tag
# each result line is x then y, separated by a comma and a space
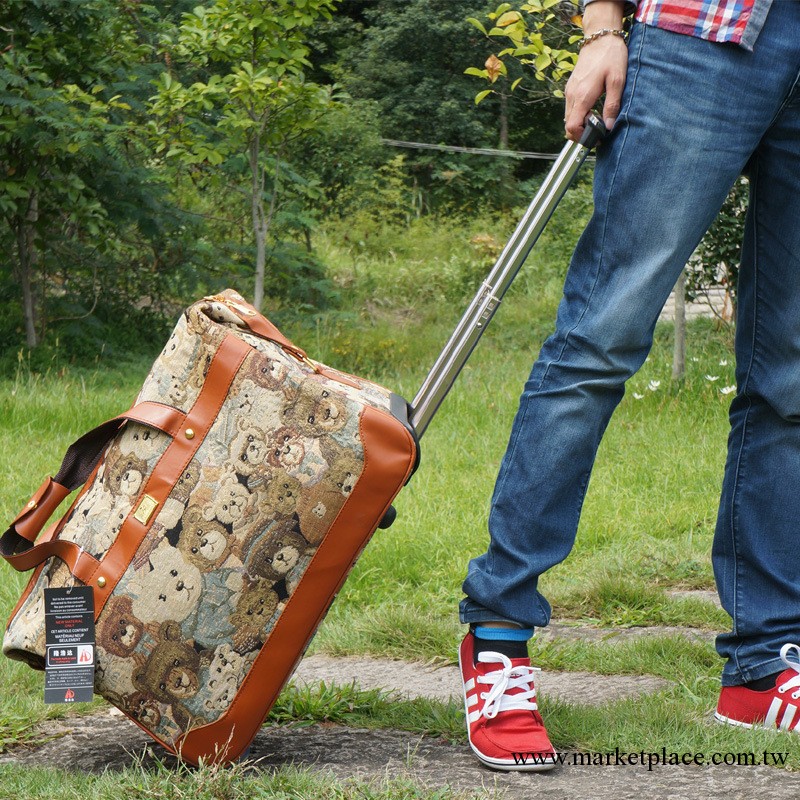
69, 695
86, 657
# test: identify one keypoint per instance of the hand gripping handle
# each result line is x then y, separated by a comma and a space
594, 131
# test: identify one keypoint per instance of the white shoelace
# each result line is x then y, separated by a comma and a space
794, 681
501, 680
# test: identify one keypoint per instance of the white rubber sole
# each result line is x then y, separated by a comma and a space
512, 766
730, 721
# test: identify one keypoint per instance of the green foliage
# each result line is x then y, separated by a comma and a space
441, 259
431, 261
391, 199
133, 135
241, 99
540, 36
77, 198
323, 703
408, 59
297, 281
145, 780
93, 235
251, 57
350, 705
343, 154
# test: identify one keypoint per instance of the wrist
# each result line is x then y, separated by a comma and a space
599, 34
602, 14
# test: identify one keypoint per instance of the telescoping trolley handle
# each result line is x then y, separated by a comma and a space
481, 310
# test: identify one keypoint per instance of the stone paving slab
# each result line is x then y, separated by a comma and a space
111, 742
706, 595
442, 683
588, 633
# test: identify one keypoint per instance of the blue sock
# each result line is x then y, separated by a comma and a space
511, 642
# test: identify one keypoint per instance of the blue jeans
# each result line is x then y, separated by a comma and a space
694, 115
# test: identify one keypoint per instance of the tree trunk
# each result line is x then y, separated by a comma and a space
259, 220
503, 122
679, 348
26, 264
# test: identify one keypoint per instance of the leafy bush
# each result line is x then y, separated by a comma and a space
296, 279
344, 156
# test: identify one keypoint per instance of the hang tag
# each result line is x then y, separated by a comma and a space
69, 640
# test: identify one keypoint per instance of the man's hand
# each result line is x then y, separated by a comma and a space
601, 68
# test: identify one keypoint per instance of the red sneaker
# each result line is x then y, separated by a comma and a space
505, 730
771, 708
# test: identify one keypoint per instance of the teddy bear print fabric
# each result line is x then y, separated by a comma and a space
228, 547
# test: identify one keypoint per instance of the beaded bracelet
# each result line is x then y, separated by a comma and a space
602, 32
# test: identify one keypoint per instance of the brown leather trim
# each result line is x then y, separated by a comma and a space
156, 415
261, 326
49, 534
221, 372
255, 321
333, 375
80, 563
389, 455
258, 324
39, 509
33, 516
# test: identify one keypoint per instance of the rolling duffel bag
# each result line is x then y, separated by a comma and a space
218, 516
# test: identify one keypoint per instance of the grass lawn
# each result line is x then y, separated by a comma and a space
647, 527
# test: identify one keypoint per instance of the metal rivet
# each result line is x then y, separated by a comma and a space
189, 433
33, 504
101, 582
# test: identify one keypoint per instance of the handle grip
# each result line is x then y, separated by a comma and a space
594, 132
82, 456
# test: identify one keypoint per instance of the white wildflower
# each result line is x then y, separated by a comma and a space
695, 358
727, 389
724, 362
711, 377
653, 385
637, 396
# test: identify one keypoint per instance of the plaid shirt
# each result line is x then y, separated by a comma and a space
736, 21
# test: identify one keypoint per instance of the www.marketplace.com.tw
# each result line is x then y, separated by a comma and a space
621, 758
